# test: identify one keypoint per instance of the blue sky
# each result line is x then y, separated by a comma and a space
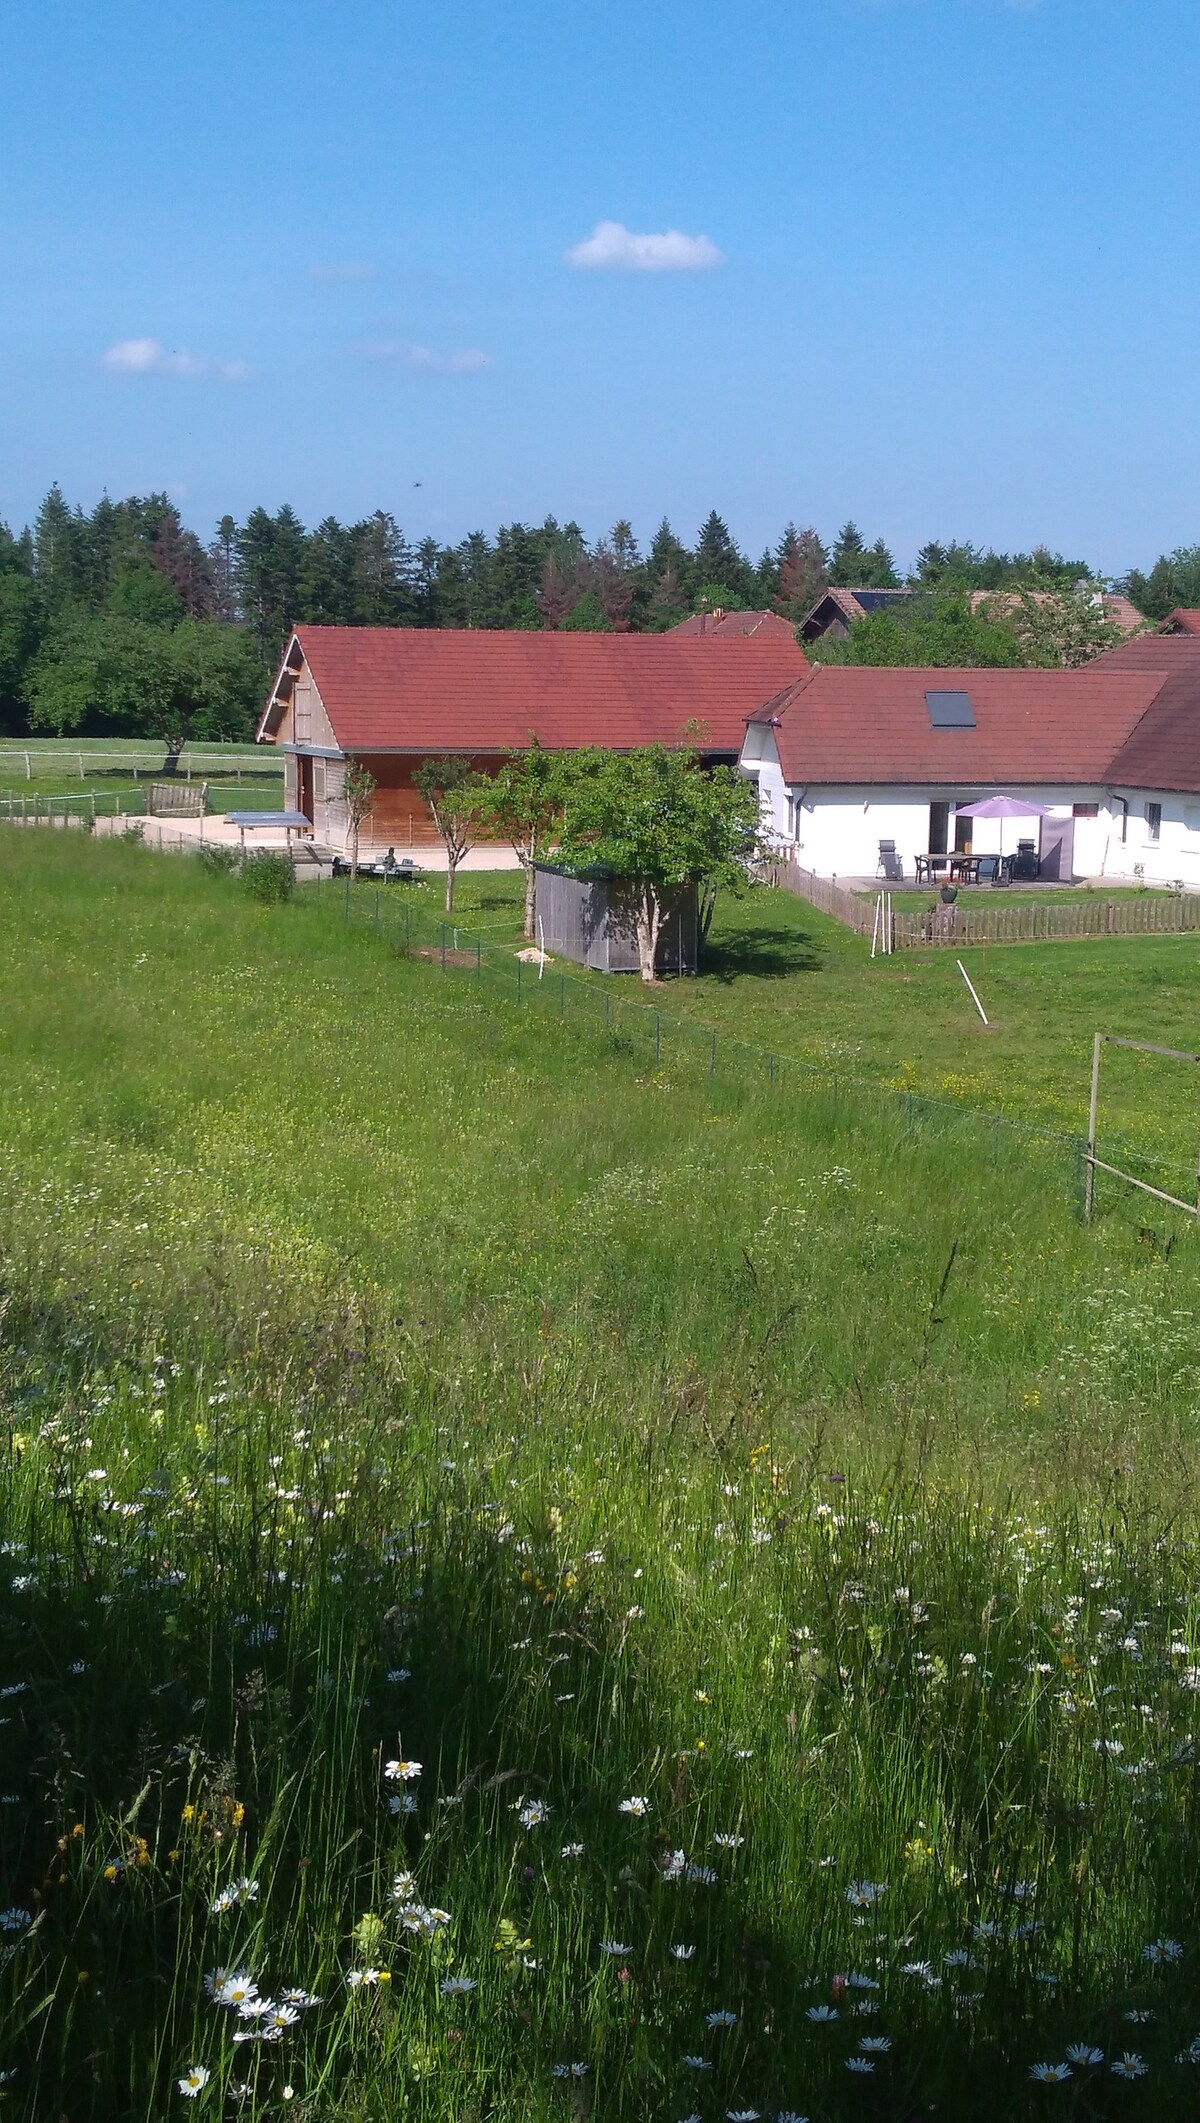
320, 252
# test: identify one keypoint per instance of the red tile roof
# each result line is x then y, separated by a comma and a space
861, 725
1185, 619
408, 689
1164, 750
711, 624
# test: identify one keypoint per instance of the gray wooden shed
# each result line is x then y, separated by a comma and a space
588, 916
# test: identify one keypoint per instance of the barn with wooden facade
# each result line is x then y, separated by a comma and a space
392, 697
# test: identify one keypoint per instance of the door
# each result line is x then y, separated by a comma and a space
1058, 849
939, 828
962, 834
304, 788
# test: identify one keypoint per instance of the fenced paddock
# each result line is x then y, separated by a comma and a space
959, 924
670, 1049
140, 762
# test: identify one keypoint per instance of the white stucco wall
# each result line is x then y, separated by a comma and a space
1173, 858
837, 831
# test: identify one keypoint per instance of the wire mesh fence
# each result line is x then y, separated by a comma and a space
663, 1047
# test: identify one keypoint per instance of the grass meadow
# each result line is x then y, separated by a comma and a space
542, 1582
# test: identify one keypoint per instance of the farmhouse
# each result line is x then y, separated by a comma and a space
853, 761
393, 696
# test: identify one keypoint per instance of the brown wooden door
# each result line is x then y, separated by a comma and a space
304, 788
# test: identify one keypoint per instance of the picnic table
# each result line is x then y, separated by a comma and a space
380, 869
966, 869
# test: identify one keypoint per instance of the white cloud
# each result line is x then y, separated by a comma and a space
353, 269
149, 357
613, 248
465, 361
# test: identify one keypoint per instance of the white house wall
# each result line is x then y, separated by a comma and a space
836, 831
1171, 859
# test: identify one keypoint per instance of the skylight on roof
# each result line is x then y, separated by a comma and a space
950, 711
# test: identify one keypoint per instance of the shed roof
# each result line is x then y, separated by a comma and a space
1185, 619
862, 725
421, 690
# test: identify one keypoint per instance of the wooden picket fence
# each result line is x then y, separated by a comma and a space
1047, 921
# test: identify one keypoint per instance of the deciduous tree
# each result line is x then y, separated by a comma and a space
455, 795
358, 789
659, 821
523, 801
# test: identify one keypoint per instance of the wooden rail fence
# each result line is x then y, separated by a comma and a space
1052, 920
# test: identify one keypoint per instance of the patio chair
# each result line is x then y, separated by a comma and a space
889, 865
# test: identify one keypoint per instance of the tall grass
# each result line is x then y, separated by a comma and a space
392, 1377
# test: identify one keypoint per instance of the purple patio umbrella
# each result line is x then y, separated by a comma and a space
1002, 807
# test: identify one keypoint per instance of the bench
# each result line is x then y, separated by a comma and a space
177, 799
387, 873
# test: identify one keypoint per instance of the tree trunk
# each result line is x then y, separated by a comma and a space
451, 868
354, 847
648, 923
530, 897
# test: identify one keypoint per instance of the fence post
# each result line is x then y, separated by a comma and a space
443, 947
1089, 1194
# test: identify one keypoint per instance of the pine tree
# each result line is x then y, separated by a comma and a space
56, 552
802, 572
717, 563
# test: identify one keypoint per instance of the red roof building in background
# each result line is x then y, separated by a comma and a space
863, 768
724, 625
1185, 619
394, 696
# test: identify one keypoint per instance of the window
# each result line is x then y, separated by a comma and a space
1153, 820
950, 711
1085, 810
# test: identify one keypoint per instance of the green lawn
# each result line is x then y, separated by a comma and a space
486, 1507
781, 979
